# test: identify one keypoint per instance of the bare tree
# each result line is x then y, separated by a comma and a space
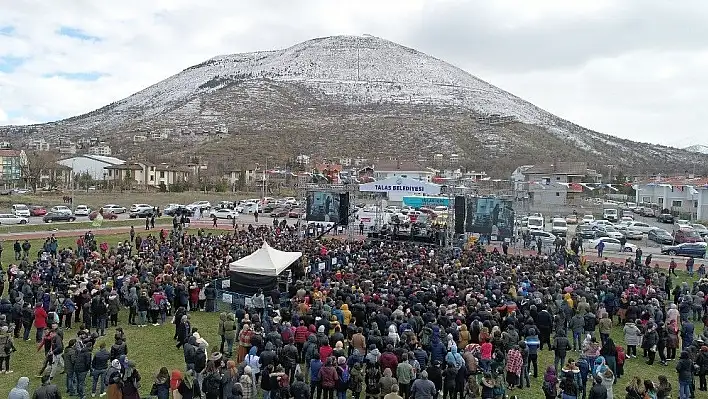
38, 164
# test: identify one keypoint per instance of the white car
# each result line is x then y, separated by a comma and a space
113, 208
250, 207
63, 209
641, 226
82, 210
223, 213
588, 219
547, 239
627, 219
8, 218
202, 205
613, 244
633, 234
138, 207
21, 210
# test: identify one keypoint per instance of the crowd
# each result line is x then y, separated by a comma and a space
372, 319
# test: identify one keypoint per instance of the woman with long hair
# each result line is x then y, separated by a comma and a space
161, 386
188, 387
131, 381
635, 389
649, 390
663, 390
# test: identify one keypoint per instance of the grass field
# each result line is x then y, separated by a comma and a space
152, 347
81, 225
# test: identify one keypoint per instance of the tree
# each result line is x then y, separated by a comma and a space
127, 182
38, 163
84, 180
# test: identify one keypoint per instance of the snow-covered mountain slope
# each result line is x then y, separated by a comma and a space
699, 148
343, 93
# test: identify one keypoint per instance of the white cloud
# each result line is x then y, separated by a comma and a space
605, 65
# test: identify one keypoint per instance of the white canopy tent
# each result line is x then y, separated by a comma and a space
267, 261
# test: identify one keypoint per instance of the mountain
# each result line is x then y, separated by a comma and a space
698, 148
355, 96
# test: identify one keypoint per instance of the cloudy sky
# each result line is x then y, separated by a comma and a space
631, 68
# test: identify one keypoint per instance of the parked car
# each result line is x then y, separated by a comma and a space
296, 213
60, 209
36, 210
584, 231
58, 217
9, 218
82, 210
142, 213
682, 236
223, 213
21, 210
660, 236
588, 219
106, 215
113, 208
571, 219
608, 231
137, 207
178, 210
280, 213
665, 218
641, 226
693, 249
633, 234
203, 205
547, 238
613, 244
700, 229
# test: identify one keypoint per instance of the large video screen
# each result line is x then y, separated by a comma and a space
323, 206
488, 215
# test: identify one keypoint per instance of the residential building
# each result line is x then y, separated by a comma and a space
13, 162
302, 159
163, 135
38, 145
139, 138
330, 171
94, 165
57, 177
100, 150
345, 162
68, 149
360, 161
558, 183
686, 196
147, 174
406, 169
5, 145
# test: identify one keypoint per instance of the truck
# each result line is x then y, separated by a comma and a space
610, 214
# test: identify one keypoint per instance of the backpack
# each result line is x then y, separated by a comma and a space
164, 305
425, 336
549, 389
344, 377
153, 304
212, 384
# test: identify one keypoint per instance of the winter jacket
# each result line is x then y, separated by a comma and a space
684, 368
83, 361
328, 377
632, 334
20, 390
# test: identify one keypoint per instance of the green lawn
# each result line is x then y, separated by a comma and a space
85, 224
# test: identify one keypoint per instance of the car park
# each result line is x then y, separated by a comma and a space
660, 236
584, 231
223, 213
693, 249
113, 208
58, 217
61, 209
700, 229
36, 210
9, 218
613, 244
608, 231
106, 215
571, 219
178, 210
21, 210
82, 210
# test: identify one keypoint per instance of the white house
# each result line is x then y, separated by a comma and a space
405, 169
93, 164
687, 196
100, 150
